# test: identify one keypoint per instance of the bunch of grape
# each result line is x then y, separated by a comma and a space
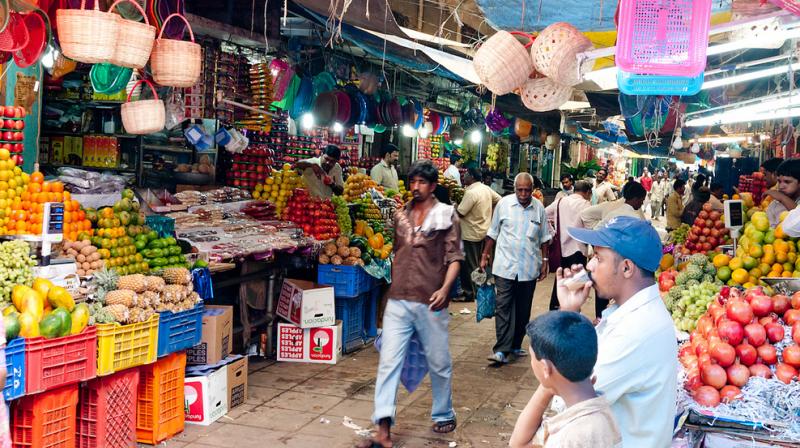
342, 215
692, 304
15, 267
679, 235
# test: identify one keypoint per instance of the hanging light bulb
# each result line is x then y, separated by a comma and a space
475, 136
677, 143
459, 141
307, 121
337, 127
695, 148
408, 131
423, 132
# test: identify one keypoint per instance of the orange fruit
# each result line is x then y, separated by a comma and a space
740, 276
5, 154
21, 226
37, 177
34, 188
56, 186
67, 195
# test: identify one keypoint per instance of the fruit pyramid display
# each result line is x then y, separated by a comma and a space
455, 191
43, 309
117, 228
160, 253
707, 233
85, 255
368, 211
693, 290
356, 185
315, 216
278, 187
342, 215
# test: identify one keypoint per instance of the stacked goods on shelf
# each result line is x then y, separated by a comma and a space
260, 210
455, 191
261, 98
342, 252
315, 216
707, 233
278, 187
301, 148
12, 119
119, 231
22, 199
441, 163
424, 149
754, 184
356, 185
100, 151
85, 255
371, 243
233, 81
365, 163
278, 137
160, 253
437, 146
251, 167
367, 210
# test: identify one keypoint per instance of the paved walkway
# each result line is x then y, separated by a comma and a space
304, 405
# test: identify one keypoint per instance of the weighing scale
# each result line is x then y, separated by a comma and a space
734, 217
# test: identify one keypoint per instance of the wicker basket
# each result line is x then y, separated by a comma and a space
135, 41
543, 94
176, 63
143, 116
502, 63
87, 35
554, 53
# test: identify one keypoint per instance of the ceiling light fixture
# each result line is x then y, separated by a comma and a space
744, 77
757, 109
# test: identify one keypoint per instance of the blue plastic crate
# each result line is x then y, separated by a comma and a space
635, 84
371, 313
179, 331
351, 312
15, 370
347, 281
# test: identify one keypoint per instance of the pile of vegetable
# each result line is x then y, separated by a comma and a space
16, 262
741, 336
85, 255
690, 290
43, 310
378, 246
343, 252
158, 253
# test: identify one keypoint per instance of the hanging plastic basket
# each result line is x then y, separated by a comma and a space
143, 116
135, 40
176, 63
634, 84
663, 37
87, 35
554, 53
543, 94
502, 63
793, 6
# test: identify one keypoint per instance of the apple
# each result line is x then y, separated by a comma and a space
19, 136
18, 147
19, 125
18, 112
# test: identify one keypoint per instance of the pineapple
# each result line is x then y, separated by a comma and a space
150, 299
195, 298
106, 280
136, 283
124, 297
177, 276
119, 312
155, 284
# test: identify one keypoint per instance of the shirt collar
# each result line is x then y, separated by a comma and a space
384, 164
473, 185
616, 313
515, 203
592, 406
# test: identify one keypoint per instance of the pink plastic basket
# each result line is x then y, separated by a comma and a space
793, 6
663, 37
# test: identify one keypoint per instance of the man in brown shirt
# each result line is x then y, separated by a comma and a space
426, 263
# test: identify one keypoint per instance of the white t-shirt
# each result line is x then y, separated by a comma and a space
315, 185
453, 173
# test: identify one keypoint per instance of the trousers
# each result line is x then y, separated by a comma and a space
512, 312
472, 259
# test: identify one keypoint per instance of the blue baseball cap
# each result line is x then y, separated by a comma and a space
632, 238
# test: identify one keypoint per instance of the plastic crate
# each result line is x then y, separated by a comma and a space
45, 420
122, 346
347, 281
663, 37
164, 225
633, 84
15, 369
160, 405
107, 411
371, 314
351, 312
179, 331
51, 363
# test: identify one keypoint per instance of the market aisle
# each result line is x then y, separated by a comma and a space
303, 405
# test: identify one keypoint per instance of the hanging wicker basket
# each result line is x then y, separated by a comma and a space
143, 116
554, 53
176, 63
87, 35
543, 94
134, 41
502, 63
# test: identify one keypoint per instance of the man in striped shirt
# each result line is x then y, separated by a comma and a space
519, 236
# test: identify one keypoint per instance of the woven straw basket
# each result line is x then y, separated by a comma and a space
554, 53
543, 94
135, 40
176, 63
143, 116
502, 63
87, 35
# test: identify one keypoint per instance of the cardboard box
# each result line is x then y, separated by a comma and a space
306, 304
716, 440
237, 380
205, 393
57, 149
217, 339
321, 345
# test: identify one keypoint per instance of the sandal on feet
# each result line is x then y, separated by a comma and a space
369, 443
444, 427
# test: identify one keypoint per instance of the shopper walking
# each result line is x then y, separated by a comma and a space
385, 173
603, 189
567, 186
519, 237
563, 214
675, 205
475, 210
636, 360
658, 193
426, 263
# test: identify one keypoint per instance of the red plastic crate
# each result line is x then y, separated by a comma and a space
45, 420
107, 411
160, 405
51, 363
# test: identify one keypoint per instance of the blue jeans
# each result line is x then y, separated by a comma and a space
400, 319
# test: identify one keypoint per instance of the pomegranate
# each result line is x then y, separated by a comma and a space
729, 393
738, 375
706, 396
756, 334
796, 300
775, 332
796, 332
723, 353
747, 354
791, 356
768, 354
761, 305
714, 375
785, 372
704, 324
791, 316
731, 332
780, 304
760, 370
768, 319
739, 311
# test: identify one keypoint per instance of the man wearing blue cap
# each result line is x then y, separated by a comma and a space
636, 363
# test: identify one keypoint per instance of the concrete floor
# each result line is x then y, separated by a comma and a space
304, 405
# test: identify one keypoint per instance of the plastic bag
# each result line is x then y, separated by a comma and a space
485, 302
176, 109
415, 366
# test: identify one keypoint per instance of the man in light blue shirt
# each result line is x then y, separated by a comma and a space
519, 236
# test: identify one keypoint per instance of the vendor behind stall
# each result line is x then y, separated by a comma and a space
323, 175
384, 173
